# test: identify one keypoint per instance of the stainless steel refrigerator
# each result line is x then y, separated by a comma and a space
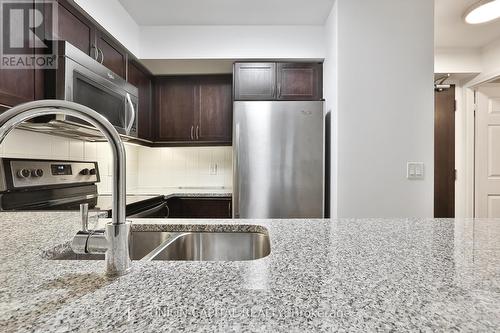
278, 159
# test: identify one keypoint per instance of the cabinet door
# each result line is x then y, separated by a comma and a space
175, 98
254, 81
74, 28
113, 56
299, 81
142, 80
214, 110
16, 85
199, 207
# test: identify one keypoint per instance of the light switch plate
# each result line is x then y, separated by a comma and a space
213, 169
415, 170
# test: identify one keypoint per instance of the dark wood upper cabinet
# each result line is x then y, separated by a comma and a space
112, 55
214, 113
74, 28
299, 81
16, 85
175, 99
194, 110
143, 81
255, 81
278, 81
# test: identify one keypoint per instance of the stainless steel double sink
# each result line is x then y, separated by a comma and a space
194, 246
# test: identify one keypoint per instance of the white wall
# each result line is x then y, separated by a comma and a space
457, 61
385, 106
491, 58
111, 15
206, 42
231, 42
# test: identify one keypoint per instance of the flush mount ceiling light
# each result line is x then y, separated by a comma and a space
483, 11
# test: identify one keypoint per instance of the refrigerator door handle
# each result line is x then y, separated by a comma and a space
236, 178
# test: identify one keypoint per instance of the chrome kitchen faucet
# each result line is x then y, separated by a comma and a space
114, 240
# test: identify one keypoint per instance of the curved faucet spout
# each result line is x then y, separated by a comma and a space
118, 262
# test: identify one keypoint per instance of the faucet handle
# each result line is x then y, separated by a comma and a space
84, 213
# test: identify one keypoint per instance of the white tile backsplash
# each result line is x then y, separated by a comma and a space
25, 144
184, 167
146, 167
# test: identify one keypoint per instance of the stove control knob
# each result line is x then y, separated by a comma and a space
36, 173
23, 173
93, 171
84, 172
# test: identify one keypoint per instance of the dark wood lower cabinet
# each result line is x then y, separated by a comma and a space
199, 207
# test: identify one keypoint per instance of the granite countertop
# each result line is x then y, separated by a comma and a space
155, 191
321, 275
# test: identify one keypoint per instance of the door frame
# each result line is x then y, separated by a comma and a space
469, 95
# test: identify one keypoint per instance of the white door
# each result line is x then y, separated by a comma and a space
487, 151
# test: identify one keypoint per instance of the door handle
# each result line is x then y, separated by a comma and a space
197, 132
132, 117
236, 178
192, 135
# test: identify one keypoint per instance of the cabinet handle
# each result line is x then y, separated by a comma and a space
279, 90
96, 52
102, 56
197, 132
192, 129
230, 213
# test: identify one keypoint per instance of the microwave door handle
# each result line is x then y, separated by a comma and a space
132, 116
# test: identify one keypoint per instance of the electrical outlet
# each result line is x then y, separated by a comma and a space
213, 169
415, 170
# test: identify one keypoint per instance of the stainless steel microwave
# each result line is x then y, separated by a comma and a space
81, 79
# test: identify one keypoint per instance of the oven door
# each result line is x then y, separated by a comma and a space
108, 95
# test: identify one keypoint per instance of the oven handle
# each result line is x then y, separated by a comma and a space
57, 202
149, 212
132, 117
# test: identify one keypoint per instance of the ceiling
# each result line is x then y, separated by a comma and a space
452, 32
228, 12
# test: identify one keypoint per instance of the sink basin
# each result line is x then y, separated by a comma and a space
213, 246
205, 246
